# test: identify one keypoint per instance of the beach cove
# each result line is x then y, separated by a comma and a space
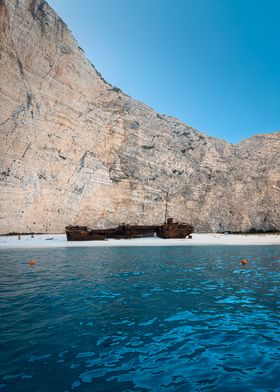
59, 240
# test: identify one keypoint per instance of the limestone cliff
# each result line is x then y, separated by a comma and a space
75, 150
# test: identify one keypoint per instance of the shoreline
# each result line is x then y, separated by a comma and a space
59, 241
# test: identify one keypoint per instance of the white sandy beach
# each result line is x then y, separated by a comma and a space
59, 241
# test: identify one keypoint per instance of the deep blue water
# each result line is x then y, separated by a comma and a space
140, 319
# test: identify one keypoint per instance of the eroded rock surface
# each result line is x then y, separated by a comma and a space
75, 150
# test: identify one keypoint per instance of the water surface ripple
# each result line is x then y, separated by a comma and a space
140, 319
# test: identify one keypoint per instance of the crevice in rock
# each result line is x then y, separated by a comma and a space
25, 151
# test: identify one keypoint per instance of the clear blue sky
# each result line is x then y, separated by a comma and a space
214, 64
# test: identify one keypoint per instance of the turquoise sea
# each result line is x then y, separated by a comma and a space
140, 319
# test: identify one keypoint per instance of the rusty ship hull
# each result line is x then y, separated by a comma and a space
169, 229
172, 229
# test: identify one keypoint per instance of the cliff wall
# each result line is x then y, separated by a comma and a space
75, 150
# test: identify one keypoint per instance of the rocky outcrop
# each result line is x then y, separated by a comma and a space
75, 150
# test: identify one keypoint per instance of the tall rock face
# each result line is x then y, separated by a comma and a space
75, 150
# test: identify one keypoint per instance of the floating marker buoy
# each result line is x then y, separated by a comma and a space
32, 262
244, 262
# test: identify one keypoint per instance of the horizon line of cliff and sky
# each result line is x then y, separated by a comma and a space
213, 66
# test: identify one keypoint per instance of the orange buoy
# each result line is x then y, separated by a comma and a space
32, 262
244, 262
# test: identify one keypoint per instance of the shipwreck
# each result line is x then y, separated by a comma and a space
169, 229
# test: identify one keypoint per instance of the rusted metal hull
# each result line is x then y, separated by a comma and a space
169, 229
78, 233
172, 229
